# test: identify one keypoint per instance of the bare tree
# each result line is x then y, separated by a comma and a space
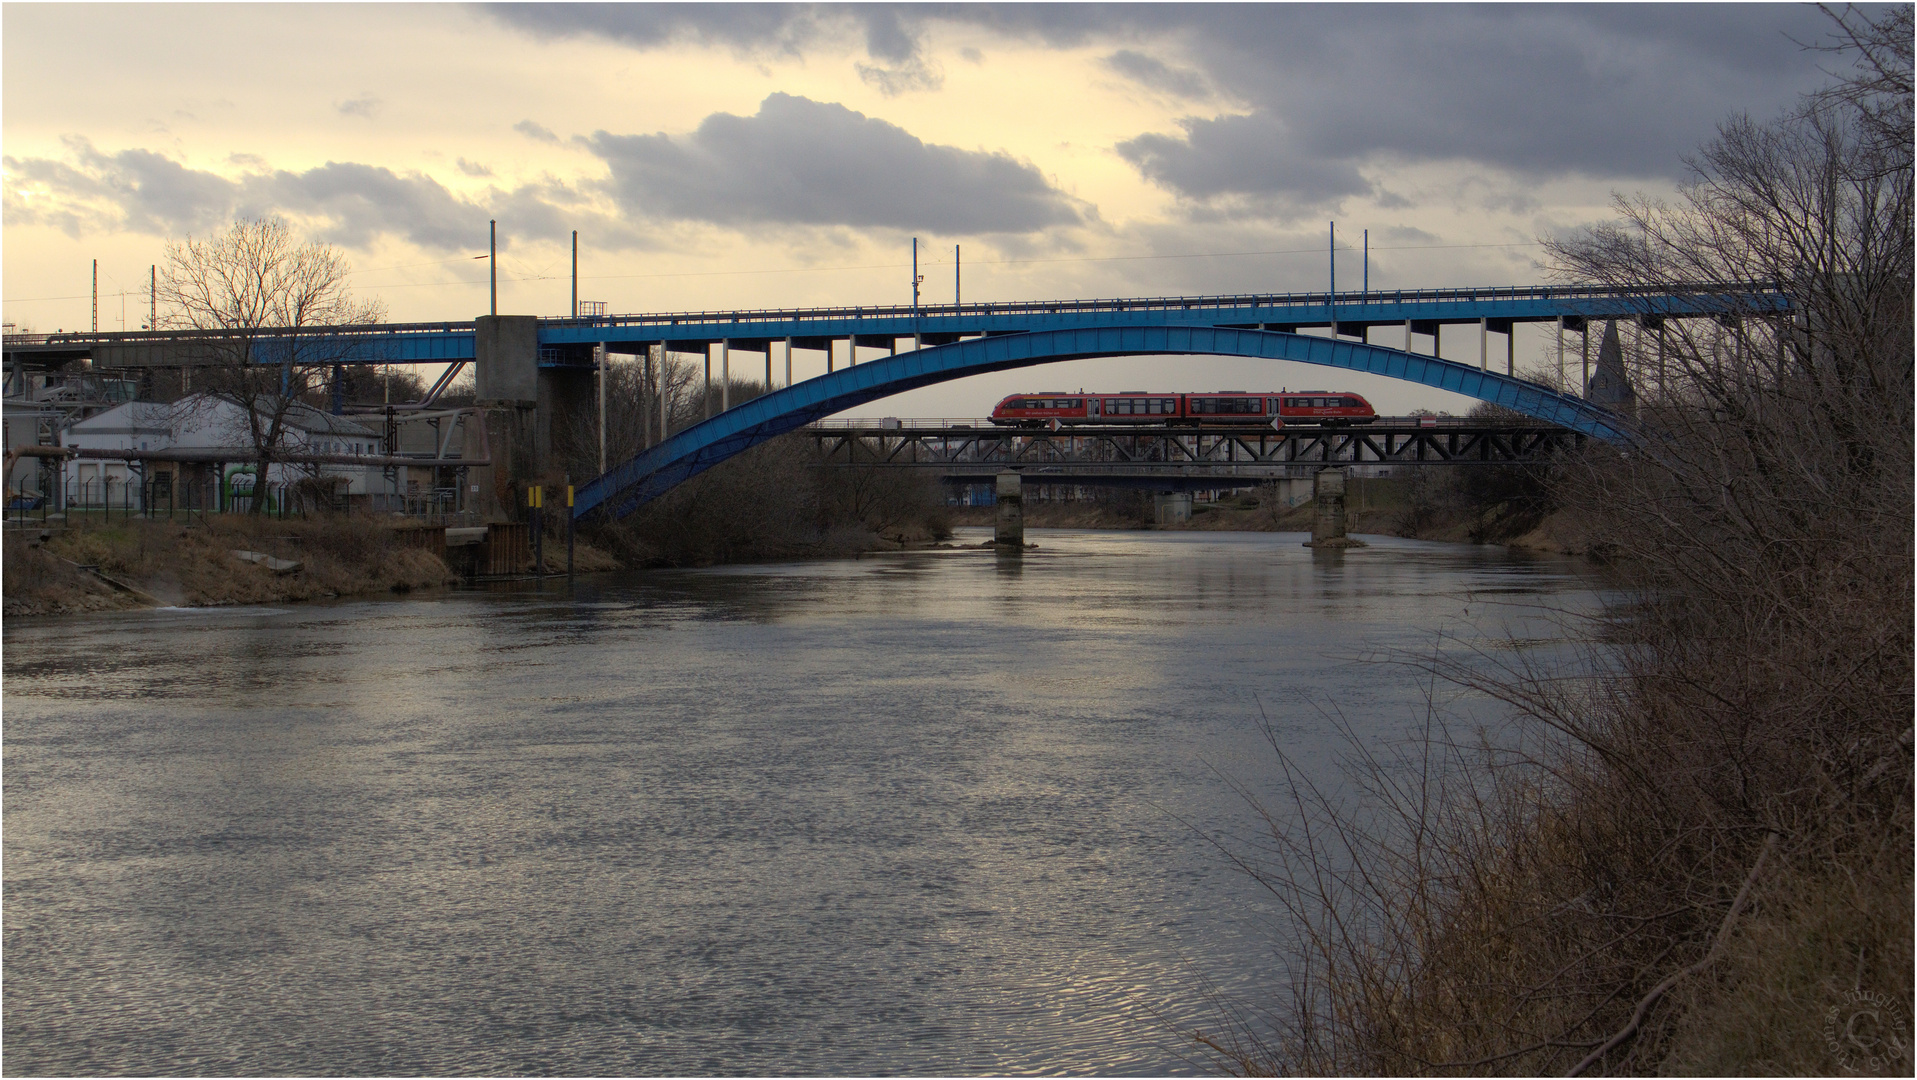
633, 390
266, 306
1704, 836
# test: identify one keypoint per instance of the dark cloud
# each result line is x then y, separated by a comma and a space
1254, 155
796, 162
804, 162
890, 36
142, 190
913, 75
360, 202
534, 130
366, 105
349, 204
1156, 74
1611, 91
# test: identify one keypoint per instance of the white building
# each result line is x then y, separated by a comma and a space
202, 424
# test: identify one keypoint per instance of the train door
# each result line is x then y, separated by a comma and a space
1091, 407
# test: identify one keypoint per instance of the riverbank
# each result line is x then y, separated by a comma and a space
142, 563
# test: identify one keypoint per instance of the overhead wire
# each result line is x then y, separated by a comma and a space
542, 276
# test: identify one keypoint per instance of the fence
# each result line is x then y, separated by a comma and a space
104, 499
53, 497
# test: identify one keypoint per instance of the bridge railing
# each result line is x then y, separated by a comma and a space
664, 321
105, 337
1171, 303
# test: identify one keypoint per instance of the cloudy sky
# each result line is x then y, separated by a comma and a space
721, 156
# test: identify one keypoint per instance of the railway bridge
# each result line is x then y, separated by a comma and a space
537, 370
1170, 458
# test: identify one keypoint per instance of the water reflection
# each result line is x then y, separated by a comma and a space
924, 813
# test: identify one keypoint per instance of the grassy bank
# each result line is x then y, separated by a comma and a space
193, 564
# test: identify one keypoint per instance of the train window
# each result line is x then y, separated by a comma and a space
1154, 406
1072, 403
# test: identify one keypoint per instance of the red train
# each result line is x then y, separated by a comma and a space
1325, 408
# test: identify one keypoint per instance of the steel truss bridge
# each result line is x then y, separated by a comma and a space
933, 344
1162, 457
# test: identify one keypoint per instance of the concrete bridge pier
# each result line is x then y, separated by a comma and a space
1171, 507
1328, 525
506, 383
1009, 536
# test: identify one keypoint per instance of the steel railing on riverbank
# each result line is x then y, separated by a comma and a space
104, 500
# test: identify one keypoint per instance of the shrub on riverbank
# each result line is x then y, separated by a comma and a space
779, 501
1698, 856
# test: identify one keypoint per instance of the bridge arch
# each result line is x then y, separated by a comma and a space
631, 484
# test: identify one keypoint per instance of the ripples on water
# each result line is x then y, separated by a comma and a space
930, 813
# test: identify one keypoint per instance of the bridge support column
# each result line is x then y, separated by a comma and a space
665, 375
1009, 535
1328, 526
1171, 507
507, 383
1584, 377
1560, 353
725, 375
600, 355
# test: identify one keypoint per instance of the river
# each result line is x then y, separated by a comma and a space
935, 813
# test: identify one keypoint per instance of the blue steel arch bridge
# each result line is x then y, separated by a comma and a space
931, 344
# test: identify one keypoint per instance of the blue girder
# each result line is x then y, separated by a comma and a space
633, 483
434, 343
1498, 306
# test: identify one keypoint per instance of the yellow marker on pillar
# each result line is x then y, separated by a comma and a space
533, 499
568, 496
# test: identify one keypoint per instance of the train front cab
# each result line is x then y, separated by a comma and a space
1328, 408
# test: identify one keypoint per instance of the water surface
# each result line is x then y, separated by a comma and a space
928, 813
